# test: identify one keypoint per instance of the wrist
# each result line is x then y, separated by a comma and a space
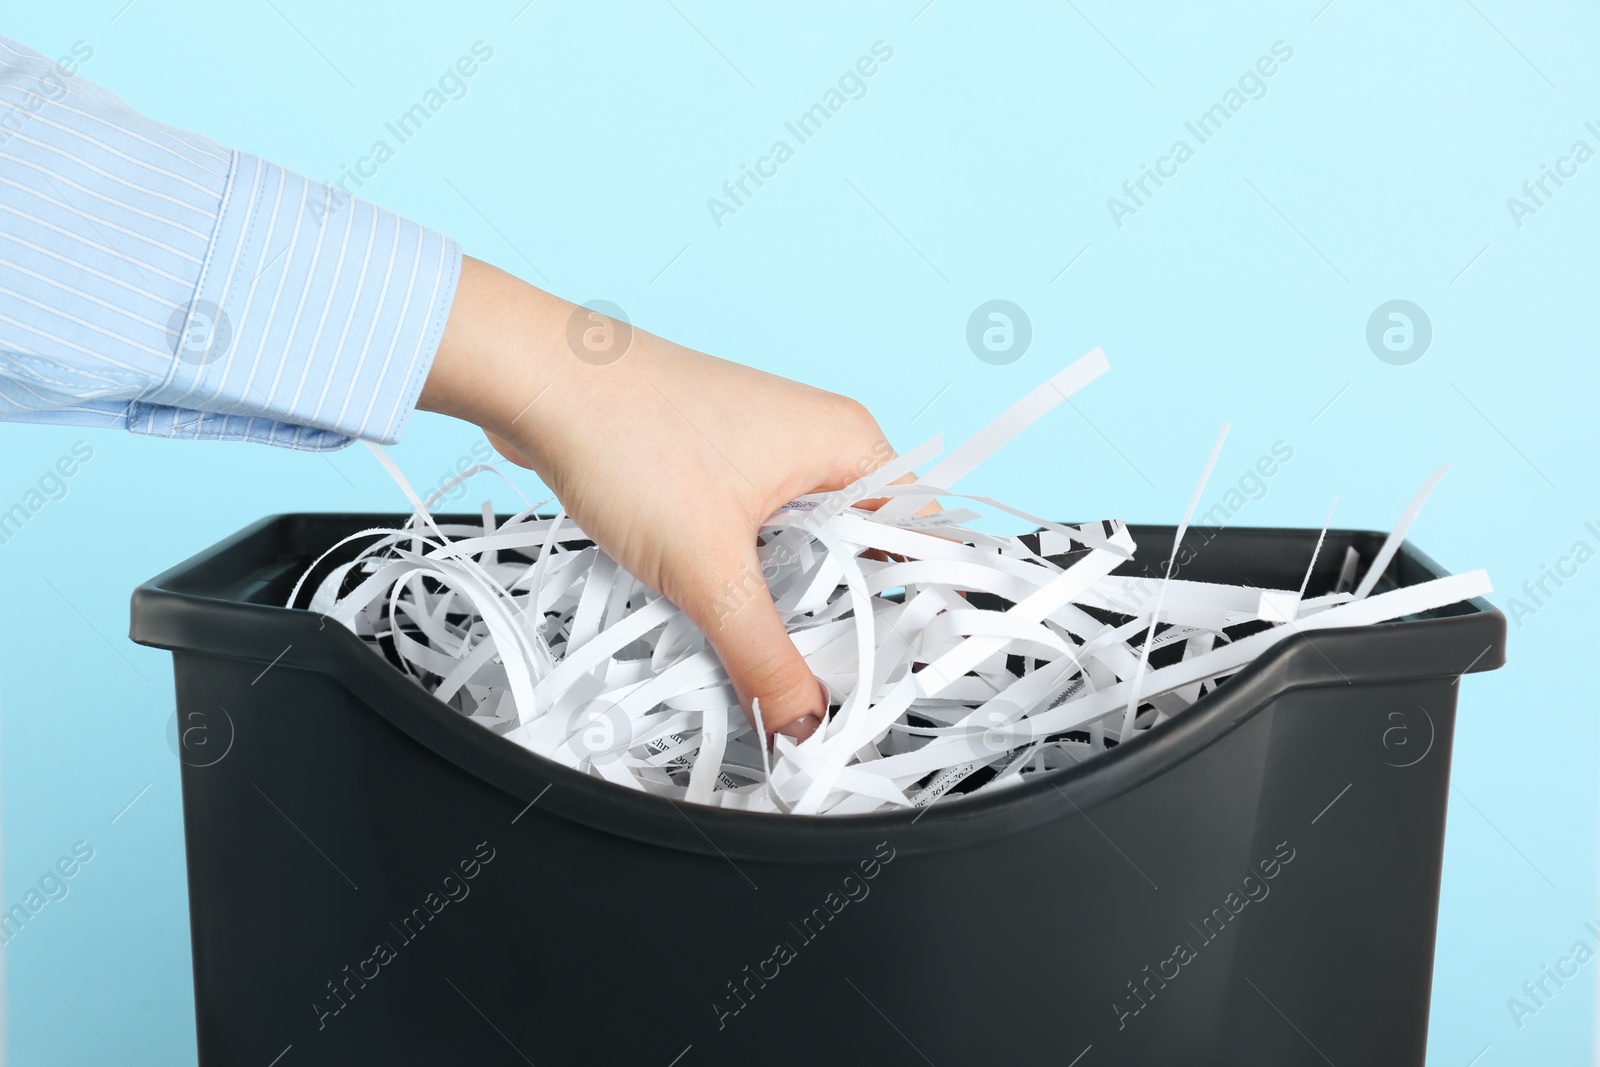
497, 355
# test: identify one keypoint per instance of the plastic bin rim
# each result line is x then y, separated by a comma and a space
164, 617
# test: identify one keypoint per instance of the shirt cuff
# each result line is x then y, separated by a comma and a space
315, 321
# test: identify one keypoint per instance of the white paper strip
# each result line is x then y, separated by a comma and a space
531, 632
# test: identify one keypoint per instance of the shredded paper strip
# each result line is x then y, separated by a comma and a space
959, 661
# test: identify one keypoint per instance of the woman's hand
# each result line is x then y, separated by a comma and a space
670, 459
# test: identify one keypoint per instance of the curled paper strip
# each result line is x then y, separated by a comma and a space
961, 661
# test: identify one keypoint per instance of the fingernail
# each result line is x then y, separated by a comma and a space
801, 728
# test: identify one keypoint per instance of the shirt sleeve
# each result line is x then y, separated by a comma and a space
154, 281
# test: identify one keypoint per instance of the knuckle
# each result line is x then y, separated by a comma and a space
855, 439
779, 678
853, 415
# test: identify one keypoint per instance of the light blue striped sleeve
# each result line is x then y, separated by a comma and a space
153, 281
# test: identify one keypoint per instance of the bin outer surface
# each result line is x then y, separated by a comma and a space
373, 879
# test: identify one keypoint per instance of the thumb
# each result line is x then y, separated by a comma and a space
733, 608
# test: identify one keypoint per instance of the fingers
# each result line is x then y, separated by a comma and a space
733, 608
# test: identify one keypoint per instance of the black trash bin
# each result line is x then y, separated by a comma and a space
373, 879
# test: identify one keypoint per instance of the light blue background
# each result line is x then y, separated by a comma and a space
1376, 167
